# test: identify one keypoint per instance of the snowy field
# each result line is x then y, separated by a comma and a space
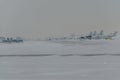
63, 60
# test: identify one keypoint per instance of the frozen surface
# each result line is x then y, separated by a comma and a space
63, 60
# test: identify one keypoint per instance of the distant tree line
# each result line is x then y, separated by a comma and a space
90, 36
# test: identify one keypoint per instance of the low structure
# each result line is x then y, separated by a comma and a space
10, 40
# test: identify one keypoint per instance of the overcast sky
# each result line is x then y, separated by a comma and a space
42, 18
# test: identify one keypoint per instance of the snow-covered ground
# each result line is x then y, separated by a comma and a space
75, 60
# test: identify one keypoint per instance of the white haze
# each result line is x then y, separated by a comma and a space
43, 18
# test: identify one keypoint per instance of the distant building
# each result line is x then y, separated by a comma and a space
2, 39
